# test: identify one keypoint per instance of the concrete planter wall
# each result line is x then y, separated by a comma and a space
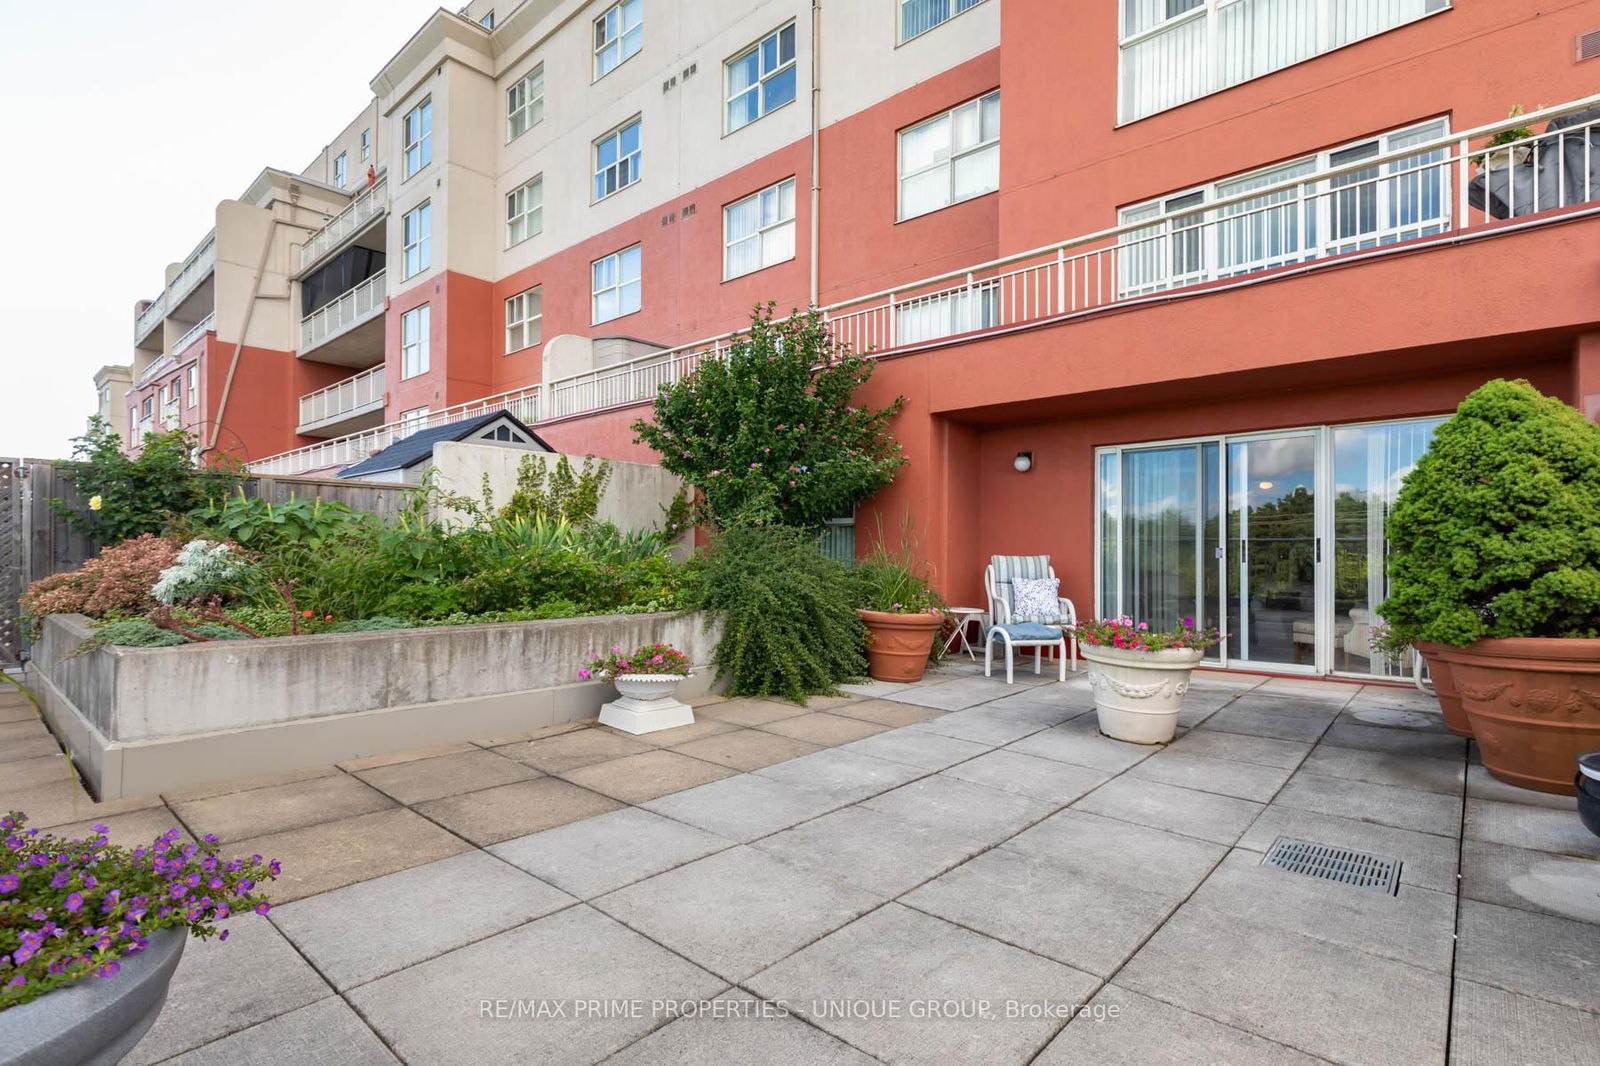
143, 720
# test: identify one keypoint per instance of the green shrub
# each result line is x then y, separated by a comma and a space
135, 633
789, 626
118, 581
422, 599
554, 493
255, 523
1496, 533
368, 625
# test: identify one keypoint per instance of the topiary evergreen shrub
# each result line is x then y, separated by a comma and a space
1496, 533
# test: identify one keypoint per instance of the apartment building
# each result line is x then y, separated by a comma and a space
1176, 290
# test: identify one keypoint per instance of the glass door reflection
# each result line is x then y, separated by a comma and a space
1272, 550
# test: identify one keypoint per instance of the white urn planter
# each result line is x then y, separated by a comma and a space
646, 703
1138, 694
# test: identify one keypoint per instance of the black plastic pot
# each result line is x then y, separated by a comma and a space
1589, 798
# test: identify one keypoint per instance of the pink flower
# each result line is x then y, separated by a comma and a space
584, 673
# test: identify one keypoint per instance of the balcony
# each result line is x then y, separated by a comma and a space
371, 204
201, 262
356, 403
150, 317
195, 332
161, 366
347, 330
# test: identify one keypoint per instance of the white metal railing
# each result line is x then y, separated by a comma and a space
352, 308
150, 317
370, 203
155, 370
169, 414
1376, 205
201, 262
143, 426
343, 397
194, 333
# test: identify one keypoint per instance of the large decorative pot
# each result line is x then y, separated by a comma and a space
1533, 704
648, 686
1444, 687
1137, 694
898, 644
645, 704
98, 1020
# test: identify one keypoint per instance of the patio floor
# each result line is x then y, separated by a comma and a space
931, 873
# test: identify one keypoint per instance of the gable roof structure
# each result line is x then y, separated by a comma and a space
418, 447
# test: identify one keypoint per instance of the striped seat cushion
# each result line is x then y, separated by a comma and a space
1007, 568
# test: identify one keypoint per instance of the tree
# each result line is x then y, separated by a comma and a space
130, 497
767, 431
1496, 533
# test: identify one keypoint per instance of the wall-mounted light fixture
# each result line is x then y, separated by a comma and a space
1023, 462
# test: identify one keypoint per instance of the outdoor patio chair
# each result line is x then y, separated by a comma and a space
1033, 631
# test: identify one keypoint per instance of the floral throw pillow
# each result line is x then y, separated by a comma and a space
1036, 599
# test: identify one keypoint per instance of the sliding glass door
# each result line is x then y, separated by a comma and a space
1277, 538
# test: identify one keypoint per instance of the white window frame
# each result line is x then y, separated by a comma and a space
624, 166
487, 22
341, 169
525, 211
1182, 241
952, 9
366, 144
761, 231
524, 325
413, 420
619, 259
415, 345
949, 162
763, 77
194, 385
525, 103
613, 47
416, 237
416, 138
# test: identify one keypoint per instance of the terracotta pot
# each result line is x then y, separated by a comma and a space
898, 644
1444, 687
1534, 706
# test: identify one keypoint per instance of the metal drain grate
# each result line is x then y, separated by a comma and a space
1359, 869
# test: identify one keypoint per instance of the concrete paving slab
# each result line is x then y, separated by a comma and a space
1483, 785
981, 726
887, 712
956, 695
552, 730
914, 747
738, 1028
372, 762
361, 932
493, 1003
1403, 808
1538, 828
418, 780
1492, 1027
28, 748
1242, 747
61, 802
750, 712
842, 774
986, 814
599, 854
874, 690
1057, 783
896, 961
1089, 845
1426, 860
1404, 698
1536, 955
251, 783
1083, 745
1416, 721
1205, 815
1320, 998
1266, 722
326, 1033
745, 807
221, 987
128, 830
824, 729
568, 751
1125, 1027
491, 815
331, 855
258, 812
816, 703
1206, 774
636, 778
747, 749
1395, 741
21, 729
1281, 706
698, 730
17, 710
51, 769
738, 911
1306, 688
871, 850
1444, 776
1562, 885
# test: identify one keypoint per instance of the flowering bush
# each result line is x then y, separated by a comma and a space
1124, 632
118, 581
203, 568
646, 659
1382, 638
72, 908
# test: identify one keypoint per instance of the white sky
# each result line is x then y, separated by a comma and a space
126, 122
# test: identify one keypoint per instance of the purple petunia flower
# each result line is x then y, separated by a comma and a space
263, 907
109, 969
74, 902
8, 884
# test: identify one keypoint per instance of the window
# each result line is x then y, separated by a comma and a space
616, 159
175, 390
616, 285
414, 341
758, 231
341, 170
950, 157
194, 385
148, 407
525, 103
366, 144
524, 319
1174, 51
415, 229
617, 36
487, 22
1186, 243
525, 211
920, 16
413, 420
503, 433
761, 78
417, 130
104, 393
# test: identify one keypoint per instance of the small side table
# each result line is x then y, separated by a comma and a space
964, 617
